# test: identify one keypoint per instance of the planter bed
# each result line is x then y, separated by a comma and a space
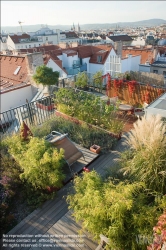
75, 120
45, 107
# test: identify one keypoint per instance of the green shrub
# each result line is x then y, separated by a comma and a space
88, 108
81, 134
121, 212
81, 80
41, 163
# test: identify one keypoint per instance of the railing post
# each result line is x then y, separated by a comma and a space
29, 112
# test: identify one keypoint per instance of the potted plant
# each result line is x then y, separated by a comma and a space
95, 148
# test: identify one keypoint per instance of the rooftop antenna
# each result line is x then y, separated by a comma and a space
21, 25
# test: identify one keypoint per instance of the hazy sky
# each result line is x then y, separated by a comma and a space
69, 12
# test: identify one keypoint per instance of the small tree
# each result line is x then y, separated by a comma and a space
81, 80
97, 79
46, 76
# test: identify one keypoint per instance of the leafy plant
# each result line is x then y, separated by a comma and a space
81, 80
97, 79
120, 211
81, 134
41, 163
88, 108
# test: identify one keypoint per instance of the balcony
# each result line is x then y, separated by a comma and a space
75, 69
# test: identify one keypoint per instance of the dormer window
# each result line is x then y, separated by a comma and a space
99, 59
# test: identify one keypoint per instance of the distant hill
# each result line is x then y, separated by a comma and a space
144, 23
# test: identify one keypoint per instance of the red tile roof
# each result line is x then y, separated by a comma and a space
54, 57
8, 65
44, 49
83, 51
71, 34
16, 38
146, 55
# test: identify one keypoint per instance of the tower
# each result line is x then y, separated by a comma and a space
78, 28
73, 27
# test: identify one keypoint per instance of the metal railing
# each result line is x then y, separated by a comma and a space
33, 113
75, 70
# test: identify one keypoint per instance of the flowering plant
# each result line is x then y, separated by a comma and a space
131, 87
159, 232
147, 97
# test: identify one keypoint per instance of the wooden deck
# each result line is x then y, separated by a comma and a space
79, 164
53, 224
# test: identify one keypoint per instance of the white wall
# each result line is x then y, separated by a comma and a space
67, 61
86, 60
130, 63
104, 67
93, 68
10, 44
15, 98
55, 67
50, 38
3, 46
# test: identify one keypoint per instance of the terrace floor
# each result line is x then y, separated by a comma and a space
53, 224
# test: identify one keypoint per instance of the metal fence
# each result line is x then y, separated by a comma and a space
33, 113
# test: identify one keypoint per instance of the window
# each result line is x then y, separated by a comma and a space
155, 71
34, 45
46, 38
17, 70
26, 46
99, 59
164, 73
29, 46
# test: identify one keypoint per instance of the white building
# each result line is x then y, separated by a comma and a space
38, 38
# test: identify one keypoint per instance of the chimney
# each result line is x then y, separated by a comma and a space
118, 48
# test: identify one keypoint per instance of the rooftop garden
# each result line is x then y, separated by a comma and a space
30, 166
130, 200
89, 108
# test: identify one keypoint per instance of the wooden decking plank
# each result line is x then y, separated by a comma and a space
56, 230
37, 213
89, 240
44, 224
67, 230
72, 225
36, 218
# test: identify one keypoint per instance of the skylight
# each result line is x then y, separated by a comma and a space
17, 70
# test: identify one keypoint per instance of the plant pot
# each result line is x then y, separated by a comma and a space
95, 148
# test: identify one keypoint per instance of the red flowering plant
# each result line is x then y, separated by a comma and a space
131, 86
159, 232
25, 132
147, 97
117, 84
159, 92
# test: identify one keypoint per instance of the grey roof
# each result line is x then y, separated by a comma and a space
121, 38
159, 64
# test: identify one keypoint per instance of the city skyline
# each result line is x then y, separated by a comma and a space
82, 12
